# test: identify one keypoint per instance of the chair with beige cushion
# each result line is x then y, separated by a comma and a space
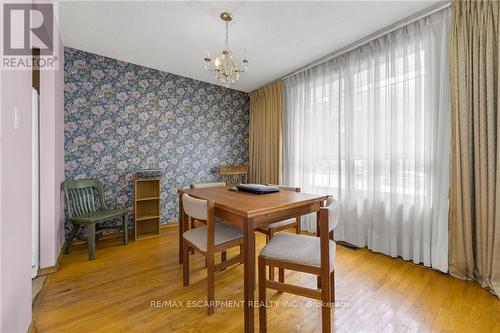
308, 254
208, 240
193, 221
270, 229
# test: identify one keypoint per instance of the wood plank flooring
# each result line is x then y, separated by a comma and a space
138, 288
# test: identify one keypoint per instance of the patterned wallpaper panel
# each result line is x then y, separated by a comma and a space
120, 117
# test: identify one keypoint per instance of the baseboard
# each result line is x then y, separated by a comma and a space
55, 268
118, 234
32, 328
349, 245
48, 270
173, 224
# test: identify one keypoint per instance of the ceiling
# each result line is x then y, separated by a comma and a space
278, 37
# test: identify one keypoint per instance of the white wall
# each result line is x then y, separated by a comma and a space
15, 199
15, 187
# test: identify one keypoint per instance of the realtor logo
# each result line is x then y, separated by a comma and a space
27, 26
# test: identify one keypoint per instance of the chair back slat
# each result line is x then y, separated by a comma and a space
74, 208
81, 195
88, 195
76, 202
82, 201
92, 199
86, 199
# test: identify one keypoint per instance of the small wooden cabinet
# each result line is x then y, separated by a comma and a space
147, 208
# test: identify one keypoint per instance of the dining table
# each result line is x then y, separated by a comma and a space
250, 211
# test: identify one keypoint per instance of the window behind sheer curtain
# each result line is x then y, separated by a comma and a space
363, 93
371, 127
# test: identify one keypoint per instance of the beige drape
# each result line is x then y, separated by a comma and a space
474, 237
265, 134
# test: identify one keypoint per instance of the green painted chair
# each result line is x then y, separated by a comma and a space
85, 208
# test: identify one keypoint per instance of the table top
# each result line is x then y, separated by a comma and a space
249, 204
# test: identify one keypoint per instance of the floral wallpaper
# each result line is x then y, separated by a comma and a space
121, 117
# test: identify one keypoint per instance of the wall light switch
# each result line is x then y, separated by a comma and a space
17, 118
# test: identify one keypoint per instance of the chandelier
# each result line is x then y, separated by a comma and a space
225, 66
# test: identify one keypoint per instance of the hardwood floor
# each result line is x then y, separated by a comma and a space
138, 288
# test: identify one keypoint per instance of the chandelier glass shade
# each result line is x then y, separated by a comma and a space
226, 67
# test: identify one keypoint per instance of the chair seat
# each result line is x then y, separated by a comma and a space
300, 249
224, 232
279, 224
99, 215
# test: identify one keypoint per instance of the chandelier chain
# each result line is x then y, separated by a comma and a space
227, 35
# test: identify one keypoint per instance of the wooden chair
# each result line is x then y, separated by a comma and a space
208, 240
85, 206
308, 254
234, 175
271, 229
193, 221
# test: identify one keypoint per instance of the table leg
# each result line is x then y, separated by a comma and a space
249, 273
125, 228
91, 240
181, 228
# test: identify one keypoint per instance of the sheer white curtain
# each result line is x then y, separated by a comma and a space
372, 128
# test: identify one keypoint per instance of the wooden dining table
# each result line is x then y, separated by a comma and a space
250, 211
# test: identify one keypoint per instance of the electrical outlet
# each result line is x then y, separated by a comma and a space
17, 118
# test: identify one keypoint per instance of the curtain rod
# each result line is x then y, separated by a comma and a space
365, 40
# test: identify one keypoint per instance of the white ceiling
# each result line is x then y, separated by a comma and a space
279, 37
